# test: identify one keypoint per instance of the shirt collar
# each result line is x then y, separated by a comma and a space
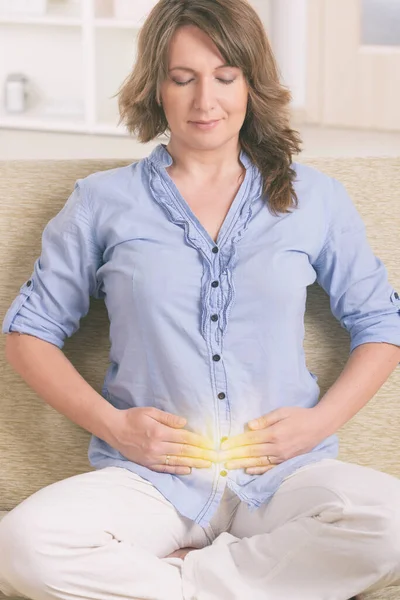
162, 158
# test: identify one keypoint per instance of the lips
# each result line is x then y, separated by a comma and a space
205, 122
205, 125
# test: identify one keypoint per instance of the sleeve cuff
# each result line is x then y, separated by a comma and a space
376, 338
42, 335
19, 318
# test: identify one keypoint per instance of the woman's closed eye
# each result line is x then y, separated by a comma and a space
224, 81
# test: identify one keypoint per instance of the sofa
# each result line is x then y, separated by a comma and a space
39, 446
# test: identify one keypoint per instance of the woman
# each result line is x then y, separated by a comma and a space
203, 252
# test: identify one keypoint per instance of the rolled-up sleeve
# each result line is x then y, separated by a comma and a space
57, 295
361, 297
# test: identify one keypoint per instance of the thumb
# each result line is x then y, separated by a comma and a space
266, 420
169, 419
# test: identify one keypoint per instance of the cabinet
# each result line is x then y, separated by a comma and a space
75, 57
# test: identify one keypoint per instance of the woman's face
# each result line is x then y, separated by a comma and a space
204, 101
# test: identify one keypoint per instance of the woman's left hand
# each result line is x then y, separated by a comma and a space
279, 435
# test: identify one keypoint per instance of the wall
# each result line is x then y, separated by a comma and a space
289, 42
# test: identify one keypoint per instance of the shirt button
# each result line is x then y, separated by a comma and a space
214, 318
221, 395
223, 473
215, 284
216, 357
396, 296
215, 250
29, 283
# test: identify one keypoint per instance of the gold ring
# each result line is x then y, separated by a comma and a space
269, 460
167, 459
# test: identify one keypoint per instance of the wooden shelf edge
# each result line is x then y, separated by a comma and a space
63, 126
47, 20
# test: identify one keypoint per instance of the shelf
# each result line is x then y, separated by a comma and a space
65, 126
42, 124
74, 61
36, 120
45, 20
59, 14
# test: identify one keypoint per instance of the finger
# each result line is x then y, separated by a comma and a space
261, 461
184, 461
269, 419
247, 452
258, 470
246, 439
166, 418
190, 451
171, 470
190, 438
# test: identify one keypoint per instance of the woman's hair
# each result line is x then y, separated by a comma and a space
237, 31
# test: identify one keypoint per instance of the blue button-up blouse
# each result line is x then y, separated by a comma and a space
127, 236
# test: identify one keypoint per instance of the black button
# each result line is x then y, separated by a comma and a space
214, 317
223, 473
29, 283
221, 395
215, 250
215, 284
396, 296
216, 357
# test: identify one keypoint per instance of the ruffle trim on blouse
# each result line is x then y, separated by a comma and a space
176, 213
160, 158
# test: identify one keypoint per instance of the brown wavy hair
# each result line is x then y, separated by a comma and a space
238, 33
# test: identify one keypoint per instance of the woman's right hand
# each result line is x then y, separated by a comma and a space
146, 435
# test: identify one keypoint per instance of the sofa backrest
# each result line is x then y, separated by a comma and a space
38, 445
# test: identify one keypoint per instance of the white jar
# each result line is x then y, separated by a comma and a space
15, 93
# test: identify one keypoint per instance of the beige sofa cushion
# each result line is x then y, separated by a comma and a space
39, 446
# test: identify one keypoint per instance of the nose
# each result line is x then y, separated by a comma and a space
205, 99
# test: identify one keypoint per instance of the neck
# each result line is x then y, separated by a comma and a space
205, 164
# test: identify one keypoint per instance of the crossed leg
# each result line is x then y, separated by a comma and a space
102, 535
331, 532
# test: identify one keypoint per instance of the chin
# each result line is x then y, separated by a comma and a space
205, 142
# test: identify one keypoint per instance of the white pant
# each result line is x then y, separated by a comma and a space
331, 531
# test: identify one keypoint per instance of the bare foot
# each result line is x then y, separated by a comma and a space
181, 553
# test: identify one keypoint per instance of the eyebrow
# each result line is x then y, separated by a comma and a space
193, 71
